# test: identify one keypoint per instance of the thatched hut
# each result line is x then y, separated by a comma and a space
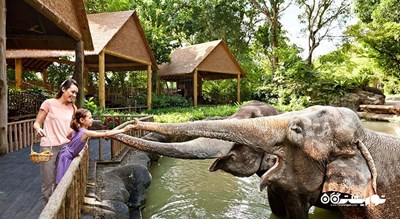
190, 65
119, 45
38, 24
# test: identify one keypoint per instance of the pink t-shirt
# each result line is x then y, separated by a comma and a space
57, 123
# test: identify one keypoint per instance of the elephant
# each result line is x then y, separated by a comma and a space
319, 150
236, 159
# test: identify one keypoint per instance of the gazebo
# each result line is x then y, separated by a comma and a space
119, 45
38, 24
190, 65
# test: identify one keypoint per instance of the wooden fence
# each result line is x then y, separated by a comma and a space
67, 200
20, 134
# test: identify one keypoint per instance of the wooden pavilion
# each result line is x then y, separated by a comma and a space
191, 65
38, 24
119, 45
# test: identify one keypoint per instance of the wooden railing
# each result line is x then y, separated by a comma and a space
67, 199
20, 134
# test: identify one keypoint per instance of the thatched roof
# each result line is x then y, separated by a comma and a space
212, 59
46, 24
36, 60
119, 34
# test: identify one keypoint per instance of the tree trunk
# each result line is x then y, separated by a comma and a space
274, 40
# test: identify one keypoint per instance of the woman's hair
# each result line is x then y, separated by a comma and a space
79, 114
66, 84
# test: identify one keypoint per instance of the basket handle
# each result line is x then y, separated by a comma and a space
33, 140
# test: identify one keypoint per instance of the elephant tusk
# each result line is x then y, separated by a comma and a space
264, 181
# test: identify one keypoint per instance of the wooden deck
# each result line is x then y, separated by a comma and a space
20, 182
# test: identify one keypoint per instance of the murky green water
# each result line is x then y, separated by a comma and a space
185, 189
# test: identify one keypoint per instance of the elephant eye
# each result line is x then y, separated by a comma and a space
296, 129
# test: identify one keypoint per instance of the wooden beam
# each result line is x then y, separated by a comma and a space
238, 88
111, 53
195, 75
132, 64
3, 80
18, 72
56, 60
218, 72
149, 74
102, 84
38, 37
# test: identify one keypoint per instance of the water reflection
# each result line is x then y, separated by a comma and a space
185, 189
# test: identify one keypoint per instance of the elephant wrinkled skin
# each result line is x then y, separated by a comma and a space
318, 149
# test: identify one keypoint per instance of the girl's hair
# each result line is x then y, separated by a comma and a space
79, 114
66, 84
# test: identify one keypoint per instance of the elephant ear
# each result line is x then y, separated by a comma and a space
354, 175
219, 163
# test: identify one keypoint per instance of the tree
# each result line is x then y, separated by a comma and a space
380, 35
272, 11
321, 18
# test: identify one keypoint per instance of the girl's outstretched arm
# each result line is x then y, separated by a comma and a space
104, 133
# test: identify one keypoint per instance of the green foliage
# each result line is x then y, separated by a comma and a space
58, 72
26, 75
364, 9
180, 114
392, 85
379, 34
91, 105
164, 101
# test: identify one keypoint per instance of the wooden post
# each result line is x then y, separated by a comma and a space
200, 87
238, 88
86, 77
78, 72
157, 85
195, 75
3, 80
18, 72
102, 84
44, 75
149, 73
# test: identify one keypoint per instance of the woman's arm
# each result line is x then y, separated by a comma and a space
41, 116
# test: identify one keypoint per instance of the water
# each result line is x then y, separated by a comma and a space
185, 189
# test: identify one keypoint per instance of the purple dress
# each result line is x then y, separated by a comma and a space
68, 153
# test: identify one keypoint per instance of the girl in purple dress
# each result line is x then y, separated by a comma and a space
80, 134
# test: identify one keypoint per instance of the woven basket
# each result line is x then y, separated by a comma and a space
43, 156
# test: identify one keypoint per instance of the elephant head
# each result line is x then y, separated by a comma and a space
321, 148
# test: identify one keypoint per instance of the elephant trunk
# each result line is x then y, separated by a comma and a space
200, 148
261, 133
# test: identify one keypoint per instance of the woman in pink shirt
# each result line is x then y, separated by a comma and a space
53, 124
